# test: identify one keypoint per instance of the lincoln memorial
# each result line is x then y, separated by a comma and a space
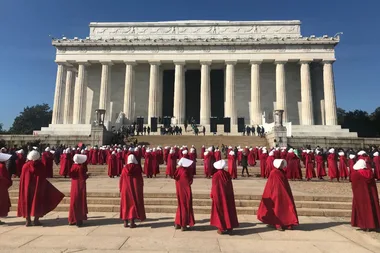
195, 70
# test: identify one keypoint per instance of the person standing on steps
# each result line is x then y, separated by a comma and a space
78, 195
223, 209
244, 164
183, 180
132, 193
6, 182
277, 208
148, 130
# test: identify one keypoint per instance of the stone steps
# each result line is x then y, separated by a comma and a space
198, 141
332, 206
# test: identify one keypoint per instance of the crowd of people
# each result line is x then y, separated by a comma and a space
37, 196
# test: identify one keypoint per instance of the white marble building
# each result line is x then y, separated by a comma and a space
157, 69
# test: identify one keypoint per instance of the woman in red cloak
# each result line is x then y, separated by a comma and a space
365, 201
112, 165
332, 166
166, 153
309, 160
363, 155
239, 155
293, 167
342, 165
37, 196
47, 160
171, 163
351, 163
232, 167
277, 206
148, 164
283, 153
217, 155
183, 179
223, 209
21, 159
120, 161
131, 193
207, 163
155, 162
95, 156
193, 157
101, 156
78, 196
319, 160
376, 163
269, 164
203, 149
251, 157
65, 163
5, 183
263, 159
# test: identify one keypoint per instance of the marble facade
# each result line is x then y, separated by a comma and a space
267, 65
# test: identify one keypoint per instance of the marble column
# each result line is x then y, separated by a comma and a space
280, 89
256, 114
329, 93
80, 95
179, 92
153, 90
306, 94
68, 107
58, 96
230, 108
105, 91
205, 112
129, 92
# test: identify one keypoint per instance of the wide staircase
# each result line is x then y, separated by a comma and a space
198, 141
246, 204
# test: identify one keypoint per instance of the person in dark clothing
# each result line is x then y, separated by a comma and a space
148, 130
204, 130
258, 130
244, 164
253, 130
144, 129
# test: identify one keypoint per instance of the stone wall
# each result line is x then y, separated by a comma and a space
356, 143
242, 82
98, 137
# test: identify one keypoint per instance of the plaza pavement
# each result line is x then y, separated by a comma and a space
104, 232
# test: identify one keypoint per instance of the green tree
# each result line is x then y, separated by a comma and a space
1, 128
32, 118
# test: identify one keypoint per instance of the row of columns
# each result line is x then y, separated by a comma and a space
62, 107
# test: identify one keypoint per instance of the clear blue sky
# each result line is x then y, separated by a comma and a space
28, 71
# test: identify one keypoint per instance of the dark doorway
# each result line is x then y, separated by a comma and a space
193, 95
217, 94
168, 93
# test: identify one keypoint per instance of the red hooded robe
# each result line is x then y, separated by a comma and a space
184, 215
78, 195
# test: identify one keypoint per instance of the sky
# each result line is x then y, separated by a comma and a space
28, 71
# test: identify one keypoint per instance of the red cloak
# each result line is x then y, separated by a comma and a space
283, 154
95, 157
101, 157
120, 162
5, 183
37, 196
203, 150
365, 202
277, 206
263, 159
184, 215
155, 163
223, 209
208, 164
269, 166
78, 196
171, 164
148, 164
293, 168
217, 156
131, 187
251, 158
232, 167
343, 172
332, 167
47, 160
321, 171
351, 163
112, 165
310, 172
376, 162
193, 166
21, 159
65, 164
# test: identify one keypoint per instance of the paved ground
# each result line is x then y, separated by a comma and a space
104, 233
201, 185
